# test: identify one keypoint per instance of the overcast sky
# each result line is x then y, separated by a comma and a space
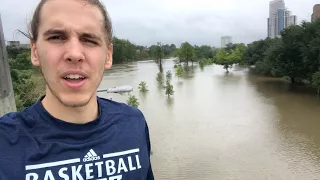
145, 22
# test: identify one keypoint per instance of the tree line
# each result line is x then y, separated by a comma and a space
295, 54
126, 51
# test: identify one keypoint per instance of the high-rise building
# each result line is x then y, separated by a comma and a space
279, 18
225, 40
316, 12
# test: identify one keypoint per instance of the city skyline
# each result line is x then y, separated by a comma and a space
280, 17
203, 22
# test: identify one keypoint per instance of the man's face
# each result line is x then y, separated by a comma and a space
71, 50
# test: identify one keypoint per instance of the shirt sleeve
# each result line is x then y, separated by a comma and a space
150, 172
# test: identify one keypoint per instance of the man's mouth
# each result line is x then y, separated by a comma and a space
74, 80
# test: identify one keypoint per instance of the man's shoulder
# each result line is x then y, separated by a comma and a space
112, 107
9, 118
11, 121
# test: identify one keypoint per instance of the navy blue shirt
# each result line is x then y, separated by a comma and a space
36, 146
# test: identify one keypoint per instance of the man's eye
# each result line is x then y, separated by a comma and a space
56, 38
90, 41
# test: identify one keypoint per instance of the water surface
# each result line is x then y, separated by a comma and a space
234, 126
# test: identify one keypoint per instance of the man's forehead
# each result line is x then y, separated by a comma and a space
71, 8
71, 27
71, 16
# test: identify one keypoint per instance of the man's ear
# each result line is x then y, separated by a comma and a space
109, 60
34, 54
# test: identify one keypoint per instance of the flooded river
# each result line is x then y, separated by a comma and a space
220, 126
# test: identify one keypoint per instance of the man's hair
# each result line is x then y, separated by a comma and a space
35, 22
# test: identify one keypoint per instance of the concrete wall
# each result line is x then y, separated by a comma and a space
7, 105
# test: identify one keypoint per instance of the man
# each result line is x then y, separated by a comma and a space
70, 133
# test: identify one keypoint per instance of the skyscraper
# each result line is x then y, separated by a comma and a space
316, 12
279, 18
225, 40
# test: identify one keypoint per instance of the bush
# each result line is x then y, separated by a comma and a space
179, 71
169, 89
160, 78
143, 87
27, 82
133, 101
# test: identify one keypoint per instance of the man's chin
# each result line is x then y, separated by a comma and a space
75, 100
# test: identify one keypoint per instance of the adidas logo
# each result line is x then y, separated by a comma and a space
91, 156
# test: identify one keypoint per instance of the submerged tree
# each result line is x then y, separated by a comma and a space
133, 101
143, 87
169, 75
179, 71
160, 77
169, 89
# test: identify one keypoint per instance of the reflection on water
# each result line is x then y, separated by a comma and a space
225, 126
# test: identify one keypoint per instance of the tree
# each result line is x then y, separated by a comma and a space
133, 101
169, 75
157, 53
230, 47
186, 53
291, 62
228, 58
159, 78
125, 51
179, 71
316, 81
223, 58
143, 87
27, 84
204, 52
169, 89
311, 47
255, 51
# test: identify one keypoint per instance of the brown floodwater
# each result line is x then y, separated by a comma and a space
220, 126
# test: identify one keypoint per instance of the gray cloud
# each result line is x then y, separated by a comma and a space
146, 22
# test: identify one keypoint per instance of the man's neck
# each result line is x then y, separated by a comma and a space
77, 115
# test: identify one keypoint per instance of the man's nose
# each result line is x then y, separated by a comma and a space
74, 50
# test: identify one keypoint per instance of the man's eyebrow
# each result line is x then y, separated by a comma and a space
54, 31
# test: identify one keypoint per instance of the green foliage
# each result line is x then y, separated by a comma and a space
169, 89
143, 87
186, 53
256, 50
179, 71
157, 53
13, 52
133, 101
296, 54
27, 83
203, 62
316, 81
227, 57
204, 52
125, 51
22, 61
169, 75
222, 58
160, 78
